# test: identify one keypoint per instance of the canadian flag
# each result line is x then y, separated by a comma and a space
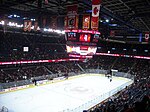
95, 14
95, 10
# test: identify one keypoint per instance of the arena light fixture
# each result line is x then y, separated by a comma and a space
2, 22
10, 16
63, 32
113, 48
32, 19
145, 50
134, 50
19, 26
50, 30
32, 27
25, 18
107, 20
13, 24
112, 24
15, 15
45, 29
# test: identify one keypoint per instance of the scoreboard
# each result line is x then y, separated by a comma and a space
82, 42
83, 36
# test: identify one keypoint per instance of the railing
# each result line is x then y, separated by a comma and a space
28, 82
51, 76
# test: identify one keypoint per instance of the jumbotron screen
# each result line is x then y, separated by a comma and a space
85, 37
82, 36
71, 36
81, 50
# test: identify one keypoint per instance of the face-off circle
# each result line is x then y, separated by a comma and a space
78, 90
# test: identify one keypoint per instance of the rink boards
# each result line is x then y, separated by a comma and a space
75, 94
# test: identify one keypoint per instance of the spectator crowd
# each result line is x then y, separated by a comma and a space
134, 98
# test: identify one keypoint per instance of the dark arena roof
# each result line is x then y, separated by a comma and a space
128, 14
121, 22
131, 15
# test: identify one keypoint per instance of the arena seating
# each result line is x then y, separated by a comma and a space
135, 97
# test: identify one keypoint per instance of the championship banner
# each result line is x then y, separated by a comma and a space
112, 33
72, 9
35, 26
86, 22
44, 22
27, 25
72, 17
53, 23
5, 24
76, 22
65, 23
146, 36
95, 14
71, 21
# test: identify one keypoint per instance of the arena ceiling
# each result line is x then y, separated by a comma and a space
129, 14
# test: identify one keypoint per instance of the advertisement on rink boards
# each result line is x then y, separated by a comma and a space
14, 88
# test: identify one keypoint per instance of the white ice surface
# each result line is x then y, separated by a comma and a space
56, 97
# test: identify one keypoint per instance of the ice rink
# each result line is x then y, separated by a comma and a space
65, 96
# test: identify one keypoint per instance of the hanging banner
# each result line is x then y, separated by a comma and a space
27, 25
77, 22
65, 23
72, 22
35, 26
112, 33
5, 24
44, 22
72, 9
72, 17
95, 14
86, 22
146, 36
53, 23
